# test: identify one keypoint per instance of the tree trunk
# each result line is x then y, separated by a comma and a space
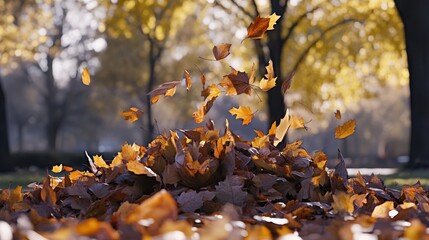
414, 15
4, 141
148, 131
52, 126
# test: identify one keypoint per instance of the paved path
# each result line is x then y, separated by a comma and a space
369, 171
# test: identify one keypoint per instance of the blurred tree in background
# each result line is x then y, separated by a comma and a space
342, 52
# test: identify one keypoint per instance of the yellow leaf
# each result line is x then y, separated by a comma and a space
137, 168
86, 79
132, 115
282, 128
273, 20
210, 92
244, 113
57, 168
342, 203
99, 162
382, 210
345, 130
269, 81
296, 122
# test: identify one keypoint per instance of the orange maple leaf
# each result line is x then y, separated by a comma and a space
244, 113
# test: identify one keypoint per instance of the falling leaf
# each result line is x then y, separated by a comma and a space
188, 80
210, 92
288, 82
269, 81
86, 78
345, 130
221, 51
337, 114
236, 83
57, 168
282, 128
257, 29
252, 74
201, 113
273, 20
167, 89
132, 115
244, 113
296, 122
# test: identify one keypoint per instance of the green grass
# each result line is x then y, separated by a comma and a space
22, 178
407, 177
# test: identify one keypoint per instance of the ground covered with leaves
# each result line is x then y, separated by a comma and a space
208, 183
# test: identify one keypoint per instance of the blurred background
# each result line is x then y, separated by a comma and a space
346, 55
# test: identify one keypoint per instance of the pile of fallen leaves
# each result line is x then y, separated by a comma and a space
207, 184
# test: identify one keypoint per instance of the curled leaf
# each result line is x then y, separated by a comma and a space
132, 114
269, 81
221, 51
86, 78
345, 130
188, 80
167, 89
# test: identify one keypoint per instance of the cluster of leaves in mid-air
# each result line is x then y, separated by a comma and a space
207, 184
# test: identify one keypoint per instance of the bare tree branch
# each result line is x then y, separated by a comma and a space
296, 23
255, 7
322, 35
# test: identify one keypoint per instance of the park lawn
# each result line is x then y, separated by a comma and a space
25, 177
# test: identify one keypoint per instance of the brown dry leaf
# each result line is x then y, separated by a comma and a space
47, 194
342, 203
345, 130
382, 210
210, 92
337, 114
221, 51
288, 82
201, 113
160, 208
415, 231
282, 128
188, 80
244, 113
269, 81
230, 191
236, 83
252, 74
257, 29
167, 89
86, 78
132, 115
57, 168
138, 168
